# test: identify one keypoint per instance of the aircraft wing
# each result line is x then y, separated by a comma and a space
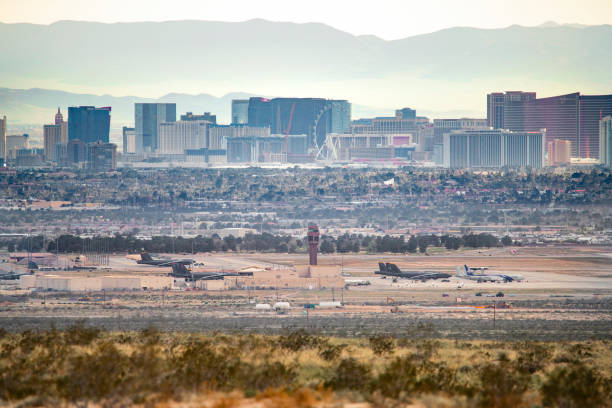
11, 276
424, 275
169, 263
212, 275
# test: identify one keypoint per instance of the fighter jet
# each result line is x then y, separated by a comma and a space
12, 275
390, 269
146, 259
179, 270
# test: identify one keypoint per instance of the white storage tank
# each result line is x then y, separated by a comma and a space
328, 305
263, 307
282, 306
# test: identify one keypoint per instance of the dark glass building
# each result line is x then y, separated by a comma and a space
240, 111
571, 117
147, 117
89, 124
314, 117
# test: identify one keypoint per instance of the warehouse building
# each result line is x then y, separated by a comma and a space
66, 283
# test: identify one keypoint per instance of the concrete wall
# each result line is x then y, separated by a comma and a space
217, 284
121, 283
27, 281
83, 284
156, 282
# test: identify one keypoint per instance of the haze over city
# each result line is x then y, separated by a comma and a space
445, 72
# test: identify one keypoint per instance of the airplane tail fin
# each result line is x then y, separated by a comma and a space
467, 270
179, 270
145, 256
391, 267
382, 268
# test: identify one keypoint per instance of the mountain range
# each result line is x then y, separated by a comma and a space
445, 72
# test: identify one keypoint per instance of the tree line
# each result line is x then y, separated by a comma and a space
265, 242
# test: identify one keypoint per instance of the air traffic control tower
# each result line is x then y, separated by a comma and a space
313, 243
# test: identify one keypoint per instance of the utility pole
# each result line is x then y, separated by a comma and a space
494, 308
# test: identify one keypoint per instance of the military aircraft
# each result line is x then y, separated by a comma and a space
146, 259
391, 269
4, 275
12, 275
469, 273
179, 270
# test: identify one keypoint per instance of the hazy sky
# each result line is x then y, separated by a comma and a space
389, 19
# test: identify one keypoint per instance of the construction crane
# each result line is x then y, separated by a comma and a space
288, 130
394, 309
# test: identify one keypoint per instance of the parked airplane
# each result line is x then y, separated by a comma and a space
390, 269
12, 275
179, 270
4, 275
469, 273
146, 259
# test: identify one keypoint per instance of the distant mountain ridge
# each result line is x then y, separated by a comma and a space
446, 70
37, 105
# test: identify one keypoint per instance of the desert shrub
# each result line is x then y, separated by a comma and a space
96, 376
147, 368
297, 340
80, 334
150, 335
381, 344
198, 363
267, 375
251, 342
576, 385
565, 358
30, 339
503, 356
534, 357
330, 352
25, 373
406, 376
500, 386
581, 350
350, 374
426, 349
124, 338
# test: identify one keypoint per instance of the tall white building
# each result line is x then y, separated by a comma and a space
129, 140
176, 137
218, 134
442, 126
15, 143
52, 135
493, 149
605, 141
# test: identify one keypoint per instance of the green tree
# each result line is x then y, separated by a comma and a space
327, 247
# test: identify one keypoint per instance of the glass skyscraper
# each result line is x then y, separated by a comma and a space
240, 111
147, 117
89, 124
